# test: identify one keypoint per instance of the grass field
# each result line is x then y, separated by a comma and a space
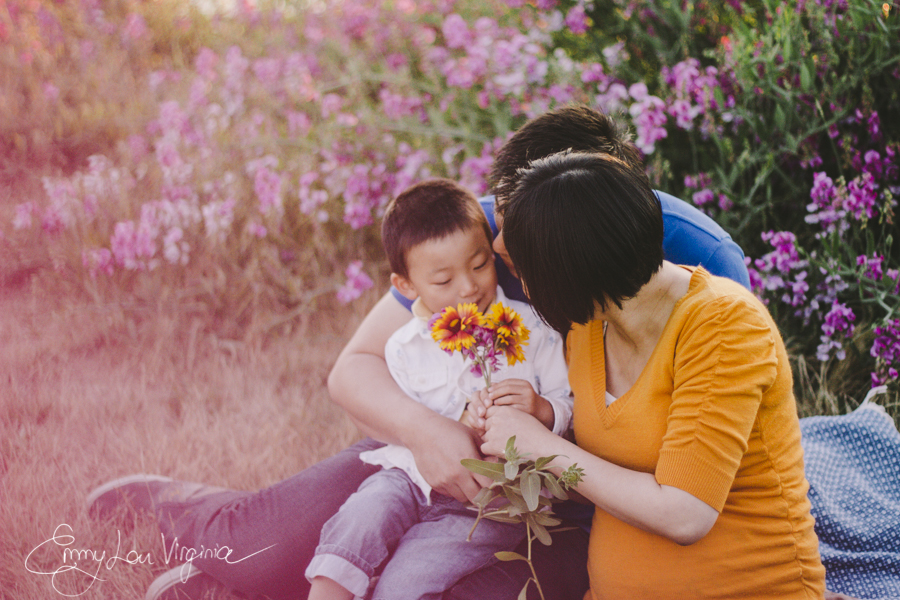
86, 399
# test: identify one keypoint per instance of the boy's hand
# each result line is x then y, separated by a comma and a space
476, 411
516, 393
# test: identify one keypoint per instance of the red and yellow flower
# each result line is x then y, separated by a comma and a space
511, 333
454, 328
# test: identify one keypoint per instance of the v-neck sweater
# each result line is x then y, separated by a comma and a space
712, 413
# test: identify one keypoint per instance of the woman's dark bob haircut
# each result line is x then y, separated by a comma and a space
582, 228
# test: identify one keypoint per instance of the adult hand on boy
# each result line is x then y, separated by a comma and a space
439, 463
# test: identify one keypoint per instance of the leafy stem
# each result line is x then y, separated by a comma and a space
522, 491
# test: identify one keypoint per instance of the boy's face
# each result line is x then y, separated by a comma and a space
458, 268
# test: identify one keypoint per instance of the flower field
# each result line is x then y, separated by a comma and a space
236, 164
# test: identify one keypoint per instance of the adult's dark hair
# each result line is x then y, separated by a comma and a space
575, 127
429, 210
582, 228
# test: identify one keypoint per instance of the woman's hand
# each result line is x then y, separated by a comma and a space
503, 422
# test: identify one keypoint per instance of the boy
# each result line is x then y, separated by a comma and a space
438, 243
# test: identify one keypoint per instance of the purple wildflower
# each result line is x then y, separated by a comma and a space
861, 195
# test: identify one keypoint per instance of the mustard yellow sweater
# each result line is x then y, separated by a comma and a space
713, 414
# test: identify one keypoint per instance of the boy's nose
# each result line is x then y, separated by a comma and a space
469, 288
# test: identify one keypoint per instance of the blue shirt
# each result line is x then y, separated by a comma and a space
689, 238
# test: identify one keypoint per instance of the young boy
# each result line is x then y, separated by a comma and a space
438, 243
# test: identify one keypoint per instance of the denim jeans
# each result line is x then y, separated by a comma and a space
420, 547
288, 517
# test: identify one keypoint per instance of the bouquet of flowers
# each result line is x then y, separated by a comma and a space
515, 495
481, 338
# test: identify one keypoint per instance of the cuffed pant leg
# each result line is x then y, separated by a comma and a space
365, 531
277, 528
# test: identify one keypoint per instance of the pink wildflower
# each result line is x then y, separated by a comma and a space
357, 282
456, 31
576, 20
97, 260
22, 218
267, 185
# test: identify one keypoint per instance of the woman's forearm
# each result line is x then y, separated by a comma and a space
633, 497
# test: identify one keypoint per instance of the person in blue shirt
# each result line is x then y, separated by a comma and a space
286, 518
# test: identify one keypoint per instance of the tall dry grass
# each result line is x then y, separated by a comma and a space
87, 397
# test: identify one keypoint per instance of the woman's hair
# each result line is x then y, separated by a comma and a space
582, 228
574, 127
430, 210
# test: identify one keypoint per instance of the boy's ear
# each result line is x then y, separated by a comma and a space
404, 286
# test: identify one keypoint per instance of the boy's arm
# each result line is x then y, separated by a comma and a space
360, 383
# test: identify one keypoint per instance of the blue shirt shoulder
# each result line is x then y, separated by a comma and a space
691, 237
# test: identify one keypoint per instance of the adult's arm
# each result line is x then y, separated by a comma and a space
360, 383
631, 496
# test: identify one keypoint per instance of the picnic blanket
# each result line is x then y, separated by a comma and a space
853, 468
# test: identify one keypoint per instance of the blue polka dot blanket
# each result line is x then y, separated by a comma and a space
853, 468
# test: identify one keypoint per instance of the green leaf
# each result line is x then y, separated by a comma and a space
720, 98
544, 461
806, 80
511, 453
483, 497
531, 489
514, 498
502, 516
510, 469
780, 118
540, 532
552, 485
509, 556
523, 595
483, 467
546, 520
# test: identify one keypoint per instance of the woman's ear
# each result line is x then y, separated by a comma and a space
404, 286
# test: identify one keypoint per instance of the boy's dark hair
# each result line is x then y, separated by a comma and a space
575, 127
582, 228
429, 210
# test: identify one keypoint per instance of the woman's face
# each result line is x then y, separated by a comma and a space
500, 247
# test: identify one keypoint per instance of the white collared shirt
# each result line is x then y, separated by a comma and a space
443, 382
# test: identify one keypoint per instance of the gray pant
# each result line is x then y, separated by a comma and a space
291, 514
421, 548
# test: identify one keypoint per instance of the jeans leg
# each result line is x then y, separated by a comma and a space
561, 568
434, 553
276, 530
365, 531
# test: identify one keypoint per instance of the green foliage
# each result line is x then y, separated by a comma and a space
794, 89
516, 496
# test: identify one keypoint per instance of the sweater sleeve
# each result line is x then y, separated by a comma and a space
725, 360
